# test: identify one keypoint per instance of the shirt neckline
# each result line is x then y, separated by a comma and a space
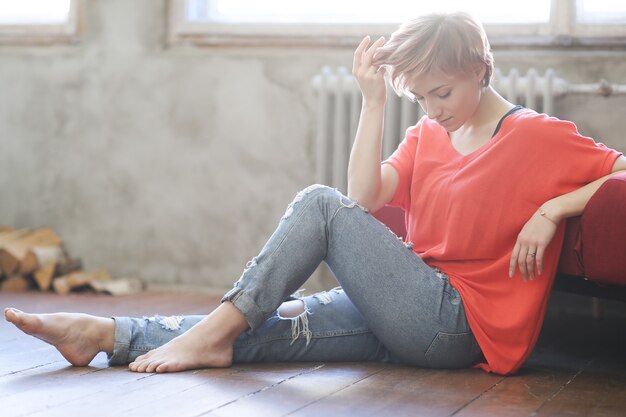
488, 144
513, 110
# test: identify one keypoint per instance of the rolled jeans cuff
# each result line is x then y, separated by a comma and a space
248, 307
121, 346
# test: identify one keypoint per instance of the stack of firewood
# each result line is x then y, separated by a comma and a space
37, 259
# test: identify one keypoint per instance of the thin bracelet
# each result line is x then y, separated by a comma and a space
542, 212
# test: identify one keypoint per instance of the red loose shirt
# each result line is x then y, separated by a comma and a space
464, 213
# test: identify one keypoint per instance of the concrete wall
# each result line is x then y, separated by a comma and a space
174, 165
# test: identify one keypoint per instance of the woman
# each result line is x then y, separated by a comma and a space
485, 186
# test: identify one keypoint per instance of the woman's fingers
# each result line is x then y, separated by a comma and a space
358, 53
526, 259
530, 263
521, 261
540, 252
367, 57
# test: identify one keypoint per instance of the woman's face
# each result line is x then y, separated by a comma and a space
449, 100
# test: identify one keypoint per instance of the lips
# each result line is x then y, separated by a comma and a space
442, 122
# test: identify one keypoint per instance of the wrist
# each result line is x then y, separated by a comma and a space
373, 105
551, 211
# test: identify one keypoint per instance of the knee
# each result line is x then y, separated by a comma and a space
318, 191
291, 309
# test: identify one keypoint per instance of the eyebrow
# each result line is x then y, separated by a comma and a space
431, 91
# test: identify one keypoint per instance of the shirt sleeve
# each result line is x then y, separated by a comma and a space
403, 160
579, 159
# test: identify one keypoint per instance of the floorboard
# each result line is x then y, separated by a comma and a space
577, 369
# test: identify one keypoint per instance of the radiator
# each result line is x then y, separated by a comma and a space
339, 105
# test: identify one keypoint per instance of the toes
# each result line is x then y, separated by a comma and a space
141, 364
134, 365
15, 316
152, 366
137, 366
167, 367
142, 367
10, 314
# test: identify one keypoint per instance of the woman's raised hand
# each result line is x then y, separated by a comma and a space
370, 78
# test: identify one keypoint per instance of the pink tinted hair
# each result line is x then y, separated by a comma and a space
452, 43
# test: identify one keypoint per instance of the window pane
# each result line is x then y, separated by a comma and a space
34, 11
601, 11
358, 11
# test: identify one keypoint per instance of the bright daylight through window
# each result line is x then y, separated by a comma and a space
34, 12
357, 11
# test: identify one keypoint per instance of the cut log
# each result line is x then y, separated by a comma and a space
13, 252
16, 283
65, 283
119, 286
67, 266
8, 235
43, 276
38, 256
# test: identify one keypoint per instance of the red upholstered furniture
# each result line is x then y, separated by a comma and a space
593, 259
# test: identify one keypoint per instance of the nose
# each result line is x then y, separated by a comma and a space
433, 112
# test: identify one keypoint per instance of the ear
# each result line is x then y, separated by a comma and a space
480, 70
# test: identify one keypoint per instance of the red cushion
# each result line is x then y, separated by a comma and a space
393, 218
603, 232
571, 261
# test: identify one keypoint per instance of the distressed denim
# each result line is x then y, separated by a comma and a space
391, 306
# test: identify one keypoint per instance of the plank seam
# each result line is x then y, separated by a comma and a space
546, 402
309, 370
478, 396
339, 390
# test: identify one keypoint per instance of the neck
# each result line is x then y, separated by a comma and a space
491, 108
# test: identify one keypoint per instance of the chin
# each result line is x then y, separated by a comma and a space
452, 128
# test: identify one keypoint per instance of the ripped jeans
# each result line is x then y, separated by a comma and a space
390, 307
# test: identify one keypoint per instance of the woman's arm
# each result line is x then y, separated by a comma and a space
539, 230
368, 183
573, 204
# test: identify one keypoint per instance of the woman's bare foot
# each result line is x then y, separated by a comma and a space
79, 337
208, 344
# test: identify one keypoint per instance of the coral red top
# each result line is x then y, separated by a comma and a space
464, 213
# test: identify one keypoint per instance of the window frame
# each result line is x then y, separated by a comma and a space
36, 34
562, 30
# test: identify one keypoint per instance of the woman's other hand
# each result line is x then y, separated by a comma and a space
370, 79
531, 244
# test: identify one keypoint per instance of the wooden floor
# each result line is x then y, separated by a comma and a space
577, 369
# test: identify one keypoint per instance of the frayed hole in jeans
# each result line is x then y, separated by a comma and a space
325, 297
167, 323
299, 325
351, 203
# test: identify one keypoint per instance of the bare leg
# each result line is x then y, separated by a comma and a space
208, 344
79, 337
291, 309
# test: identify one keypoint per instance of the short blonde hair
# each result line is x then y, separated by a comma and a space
447, 42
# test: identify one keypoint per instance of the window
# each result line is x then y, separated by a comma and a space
357, 11
601, 11
345, 22
37, 22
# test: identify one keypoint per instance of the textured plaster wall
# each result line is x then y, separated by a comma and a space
175, 164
